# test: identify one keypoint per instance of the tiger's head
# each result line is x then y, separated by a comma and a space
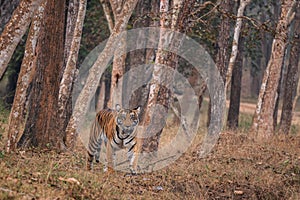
127, 119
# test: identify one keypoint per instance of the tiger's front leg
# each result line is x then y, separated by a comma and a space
133, 159
110, 158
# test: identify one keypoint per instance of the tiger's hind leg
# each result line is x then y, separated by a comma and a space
97, 154
89, 164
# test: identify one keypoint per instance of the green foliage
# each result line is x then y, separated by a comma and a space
294, 129
4, 113
95, 29
245, 121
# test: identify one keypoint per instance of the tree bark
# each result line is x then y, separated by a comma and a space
118, 68
292, 78
138, 58
263, 118
14, 31
160, 93
69, 75
18, 111
223, 39
95, 72
223, 45
6, 10
107, 13
235, 92
41, 128
235, 42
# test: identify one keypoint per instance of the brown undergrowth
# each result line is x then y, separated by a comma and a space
237, 168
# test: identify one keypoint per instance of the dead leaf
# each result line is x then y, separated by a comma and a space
238, 192
69, 180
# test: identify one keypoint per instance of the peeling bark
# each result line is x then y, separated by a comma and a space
18, 110
14, 31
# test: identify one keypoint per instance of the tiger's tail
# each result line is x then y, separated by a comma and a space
94, 145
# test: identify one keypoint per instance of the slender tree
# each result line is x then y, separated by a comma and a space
235, 42
71, 56
118, 67
292, 77
235, 92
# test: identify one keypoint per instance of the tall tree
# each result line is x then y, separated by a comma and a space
41, 128
18, 111
160, 93
235, 91
118, 67
224, 38
76, 15
235, 42
263, 118
14, 31
141, 56
292, 77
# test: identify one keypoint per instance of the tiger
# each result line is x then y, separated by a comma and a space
118, 130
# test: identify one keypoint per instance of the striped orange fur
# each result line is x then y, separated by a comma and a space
117, 128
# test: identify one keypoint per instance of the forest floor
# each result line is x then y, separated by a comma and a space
237, 168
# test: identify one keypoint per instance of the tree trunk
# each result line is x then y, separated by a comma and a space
107, 12
223, 46
6, 10
66, 84
19, 110
95, 72
235, 92
118, 68
14, 31
223, 39
263, 118
41, 128
292, 78
160, 93
138, 58
235, 42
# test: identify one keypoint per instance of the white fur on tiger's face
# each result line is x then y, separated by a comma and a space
127, 120
117, 128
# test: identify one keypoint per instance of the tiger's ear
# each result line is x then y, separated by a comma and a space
118, 107
138, 109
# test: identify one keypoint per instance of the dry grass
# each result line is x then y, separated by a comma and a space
238, 168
